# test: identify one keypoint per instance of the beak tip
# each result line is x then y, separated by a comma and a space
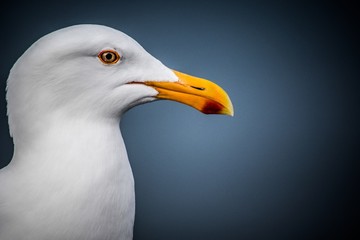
228, 109
230, 112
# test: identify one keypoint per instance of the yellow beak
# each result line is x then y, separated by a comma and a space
199, 93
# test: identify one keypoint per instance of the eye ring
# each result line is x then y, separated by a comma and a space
109, 56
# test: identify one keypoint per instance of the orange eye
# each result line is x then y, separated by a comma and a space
109, 56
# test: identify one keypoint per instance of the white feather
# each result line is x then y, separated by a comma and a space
70, 177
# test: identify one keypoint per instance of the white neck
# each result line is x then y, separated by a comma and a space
72, 142
77, 175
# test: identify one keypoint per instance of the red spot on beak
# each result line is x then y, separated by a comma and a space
212, 107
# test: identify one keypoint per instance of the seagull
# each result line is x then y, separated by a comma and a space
70, 177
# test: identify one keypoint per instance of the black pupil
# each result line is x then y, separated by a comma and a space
108, 56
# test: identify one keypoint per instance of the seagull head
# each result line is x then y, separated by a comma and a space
93, 71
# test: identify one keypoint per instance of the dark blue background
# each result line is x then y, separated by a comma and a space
285, 167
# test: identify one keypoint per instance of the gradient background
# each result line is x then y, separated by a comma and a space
285, 167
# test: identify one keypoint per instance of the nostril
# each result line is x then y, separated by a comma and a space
198, 88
